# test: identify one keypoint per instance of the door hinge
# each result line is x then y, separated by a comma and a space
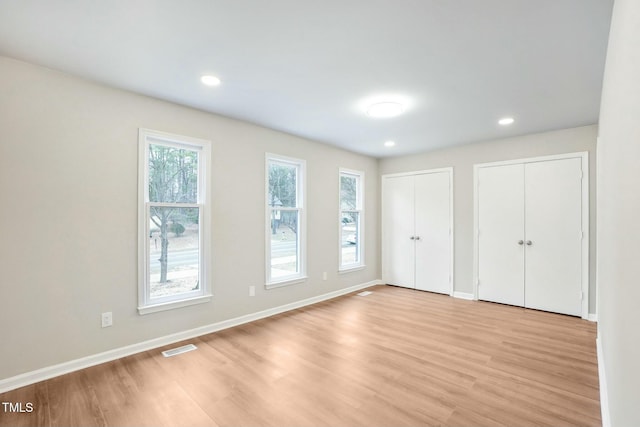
581, 296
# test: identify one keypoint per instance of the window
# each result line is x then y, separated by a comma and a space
285, 220
351, 219
173, 221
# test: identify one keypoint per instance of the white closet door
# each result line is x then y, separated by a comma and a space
433, 242
553, 209
399, 226
501, 229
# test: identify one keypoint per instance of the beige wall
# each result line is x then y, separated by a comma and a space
462, 158
619, 217
68, 217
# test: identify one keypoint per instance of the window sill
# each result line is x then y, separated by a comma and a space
349, 269
148, 309
294, 281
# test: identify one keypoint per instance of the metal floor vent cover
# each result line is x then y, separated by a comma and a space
365, 293
179, 350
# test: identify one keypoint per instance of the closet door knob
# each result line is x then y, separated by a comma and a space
529, 243
521, 242
417, 237
412, 237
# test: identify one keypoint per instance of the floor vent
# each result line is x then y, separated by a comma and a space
179, 350
365, 293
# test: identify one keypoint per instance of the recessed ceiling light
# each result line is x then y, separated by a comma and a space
385, 109
505, 121
389, 143
210, 80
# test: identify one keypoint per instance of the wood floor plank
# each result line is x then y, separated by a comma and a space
73, 401
566, 407
396, 357
34, 407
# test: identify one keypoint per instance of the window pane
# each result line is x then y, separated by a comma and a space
173, 174
174, 251
282, 185
350, 245
284, 243
348, 192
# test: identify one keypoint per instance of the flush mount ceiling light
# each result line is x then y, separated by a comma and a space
505, 121
385, 109
210, 80
384, 105
389, 143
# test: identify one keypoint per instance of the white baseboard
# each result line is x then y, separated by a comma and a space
463, 295
592, 317
38, 375
604, 397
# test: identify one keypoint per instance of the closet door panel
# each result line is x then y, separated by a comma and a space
501, 228
433, 246
553, 211
398, 228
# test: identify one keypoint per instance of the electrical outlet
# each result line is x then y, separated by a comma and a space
324, 275
252, 291
107, 319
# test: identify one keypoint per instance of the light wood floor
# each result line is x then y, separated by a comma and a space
396, 357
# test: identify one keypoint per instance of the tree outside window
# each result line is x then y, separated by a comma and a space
173, 222
284, 217
350, 219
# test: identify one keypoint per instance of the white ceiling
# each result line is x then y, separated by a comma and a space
305, 67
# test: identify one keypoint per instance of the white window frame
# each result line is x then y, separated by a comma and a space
147, 137
359, 175
301, 275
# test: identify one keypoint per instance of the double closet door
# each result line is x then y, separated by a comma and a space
417, 230
530, 234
